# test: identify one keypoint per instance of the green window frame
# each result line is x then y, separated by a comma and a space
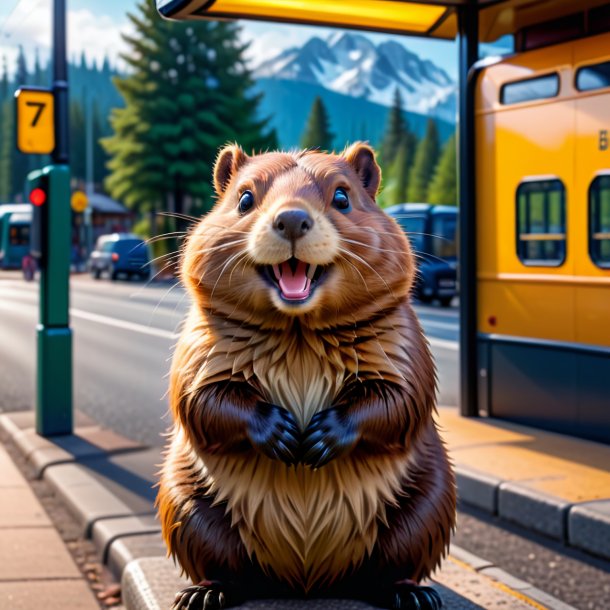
541, 222
599, 220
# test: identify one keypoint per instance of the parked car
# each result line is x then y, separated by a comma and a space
431, 230
120, 253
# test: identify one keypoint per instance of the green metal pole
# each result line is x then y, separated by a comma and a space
54, 413
54, 337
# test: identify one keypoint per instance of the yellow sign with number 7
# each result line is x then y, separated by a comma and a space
35, 121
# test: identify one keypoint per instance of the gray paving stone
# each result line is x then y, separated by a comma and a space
533, 510
589, 527
478, 489
48, 594
19, 507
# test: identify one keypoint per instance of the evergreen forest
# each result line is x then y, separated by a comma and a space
155, 130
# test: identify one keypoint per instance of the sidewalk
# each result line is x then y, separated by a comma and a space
553, 484
36, 569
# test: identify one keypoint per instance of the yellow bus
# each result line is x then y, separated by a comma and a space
542, 124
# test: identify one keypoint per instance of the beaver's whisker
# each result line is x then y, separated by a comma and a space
165, 295
178, 215
360, 259
227, 263
151, 240
222, 246
371, 247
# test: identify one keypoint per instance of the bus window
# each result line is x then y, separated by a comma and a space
530, 89
541, 223
19, 235
599, 221
443, 236
593, 77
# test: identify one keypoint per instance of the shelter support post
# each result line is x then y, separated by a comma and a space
468, 43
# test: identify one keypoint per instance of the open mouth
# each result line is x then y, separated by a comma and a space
295, 280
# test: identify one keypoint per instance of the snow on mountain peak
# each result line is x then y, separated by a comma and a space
353, 65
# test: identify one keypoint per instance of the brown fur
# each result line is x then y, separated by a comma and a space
385, 508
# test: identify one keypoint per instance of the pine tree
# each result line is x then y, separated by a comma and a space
317, 132
397, 132
443, 188
426, 158
187, 94
78, 134
396, 187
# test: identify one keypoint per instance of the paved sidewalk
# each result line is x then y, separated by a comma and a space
36, 569
538, 479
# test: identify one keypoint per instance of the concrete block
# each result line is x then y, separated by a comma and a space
477, 489
86, 442
86, 498
128, 548
106, 531
533, 509
589, 527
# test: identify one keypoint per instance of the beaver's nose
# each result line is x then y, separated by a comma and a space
292, 224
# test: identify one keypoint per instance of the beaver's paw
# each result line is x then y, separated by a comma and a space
274, 432
328, 436
208, 596
408, 596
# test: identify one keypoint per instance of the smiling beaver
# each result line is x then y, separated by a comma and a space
304, 459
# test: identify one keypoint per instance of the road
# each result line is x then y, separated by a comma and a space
123, 338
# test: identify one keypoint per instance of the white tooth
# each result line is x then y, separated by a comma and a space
311, 271
277, 272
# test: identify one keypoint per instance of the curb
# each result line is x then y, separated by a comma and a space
585, 526
123, 537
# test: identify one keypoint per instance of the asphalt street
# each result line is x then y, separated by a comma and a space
123, 337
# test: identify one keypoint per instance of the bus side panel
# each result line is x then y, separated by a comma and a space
529, 140
592, 157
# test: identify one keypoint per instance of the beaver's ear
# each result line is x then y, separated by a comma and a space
362, 158
228, 162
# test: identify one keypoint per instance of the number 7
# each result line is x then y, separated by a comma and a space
41, 107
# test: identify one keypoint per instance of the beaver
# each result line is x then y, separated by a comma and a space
304, 459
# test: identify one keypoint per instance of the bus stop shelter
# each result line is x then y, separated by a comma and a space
472, 22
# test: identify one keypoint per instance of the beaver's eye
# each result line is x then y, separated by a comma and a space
246, 201
341, 201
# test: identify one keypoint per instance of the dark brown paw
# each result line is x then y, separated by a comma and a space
200, 597
328, 436
275, 433
409, 596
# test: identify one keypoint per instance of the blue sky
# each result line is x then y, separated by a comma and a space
95, 27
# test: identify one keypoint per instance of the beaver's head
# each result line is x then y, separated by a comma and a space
298, 235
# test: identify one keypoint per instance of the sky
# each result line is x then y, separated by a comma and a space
95, 27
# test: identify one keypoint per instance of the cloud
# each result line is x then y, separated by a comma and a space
97, 35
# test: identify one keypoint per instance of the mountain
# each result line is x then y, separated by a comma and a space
351, 64
287, 104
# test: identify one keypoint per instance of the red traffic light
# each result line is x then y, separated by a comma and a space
38, 196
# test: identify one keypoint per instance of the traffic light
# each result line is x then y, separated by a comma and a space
38, 195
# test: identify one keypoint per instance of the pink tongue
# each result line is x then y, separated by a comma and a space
294, 285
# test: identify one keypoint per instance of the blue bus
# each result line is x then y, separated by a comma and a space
15, 224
